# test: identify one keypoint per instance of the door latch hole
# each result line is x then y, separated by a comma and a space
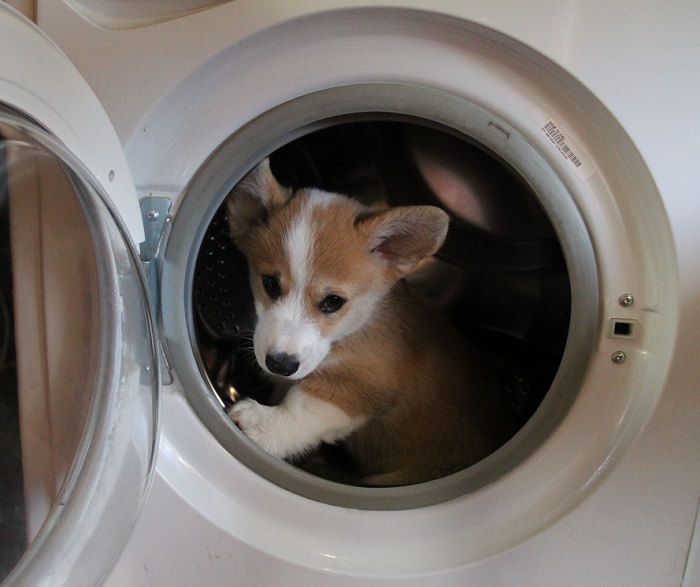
623, 328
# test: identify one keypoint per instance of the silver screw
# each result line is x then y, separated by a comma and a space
618, 357
626, 300
152, 215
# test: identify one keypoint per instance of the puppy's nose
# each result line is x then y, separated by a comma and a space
282, 364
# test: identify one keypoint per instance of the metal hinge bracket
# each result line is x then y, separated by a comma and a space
155, 211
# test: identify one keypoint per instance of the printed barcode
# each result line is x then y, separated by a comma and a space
558, 139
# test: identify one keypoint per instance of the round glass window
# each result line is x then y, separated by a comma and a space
78, 367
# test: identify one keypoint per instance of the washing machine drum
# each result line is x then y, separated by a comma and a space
501, 277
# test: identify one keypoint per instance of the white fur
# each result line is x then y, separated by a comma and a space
285, 326
298, 247
295, 426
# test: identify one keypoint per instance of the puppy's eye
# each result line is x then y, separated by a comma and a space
331, 304
271, 285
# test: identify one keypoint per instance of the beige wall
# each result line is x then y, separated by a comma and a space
26, 7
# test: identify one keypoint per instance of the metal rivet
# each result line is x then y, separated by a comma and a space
618, 357
152, 215
626, 300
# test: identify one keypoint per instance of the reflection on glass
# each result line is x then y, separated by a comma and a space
86, 381
12, 513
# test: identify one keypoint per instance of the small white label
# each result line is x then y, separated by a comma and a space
565, 145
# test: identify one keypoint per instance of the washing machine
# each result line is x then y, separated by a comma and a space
561, 137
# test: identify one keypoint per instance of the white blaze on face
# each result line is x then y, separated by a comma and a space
287, 326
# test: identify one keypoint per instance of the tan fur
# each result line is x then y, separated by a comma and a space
430, 405
433, 409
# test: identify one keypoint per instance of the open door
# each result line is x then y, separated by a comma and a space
80, 334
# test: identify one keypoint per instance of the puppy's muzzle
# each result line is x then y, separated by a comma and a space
282, 364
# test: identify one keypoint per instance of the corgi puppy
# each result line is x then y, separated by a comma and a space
366, 361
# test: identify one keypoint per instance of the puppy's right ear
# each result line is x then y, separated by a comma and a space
253, 199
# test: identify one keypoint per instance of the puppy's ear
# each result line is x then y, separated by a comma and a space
252, 200
403, 236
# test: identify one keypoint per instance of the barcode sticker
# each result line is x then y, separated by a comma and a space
566, 146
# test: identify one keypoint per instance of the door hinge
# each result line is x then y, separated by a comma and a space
155, 212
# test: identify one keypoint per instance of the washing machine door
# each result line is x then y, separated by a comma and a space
78, 361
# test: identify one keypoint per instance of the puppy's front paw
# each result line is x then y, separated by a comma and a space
258, 422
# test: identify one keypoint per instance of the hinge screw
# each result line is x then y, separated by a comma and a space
152, 215
618, 357
626, 300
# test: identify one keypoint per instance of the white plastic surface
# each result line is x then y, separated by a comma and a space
194, 81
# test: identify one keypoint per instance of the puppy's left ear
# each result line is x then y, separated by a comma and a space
405, 235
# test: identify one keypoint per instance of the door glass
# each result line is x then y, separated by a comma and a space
78, 367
